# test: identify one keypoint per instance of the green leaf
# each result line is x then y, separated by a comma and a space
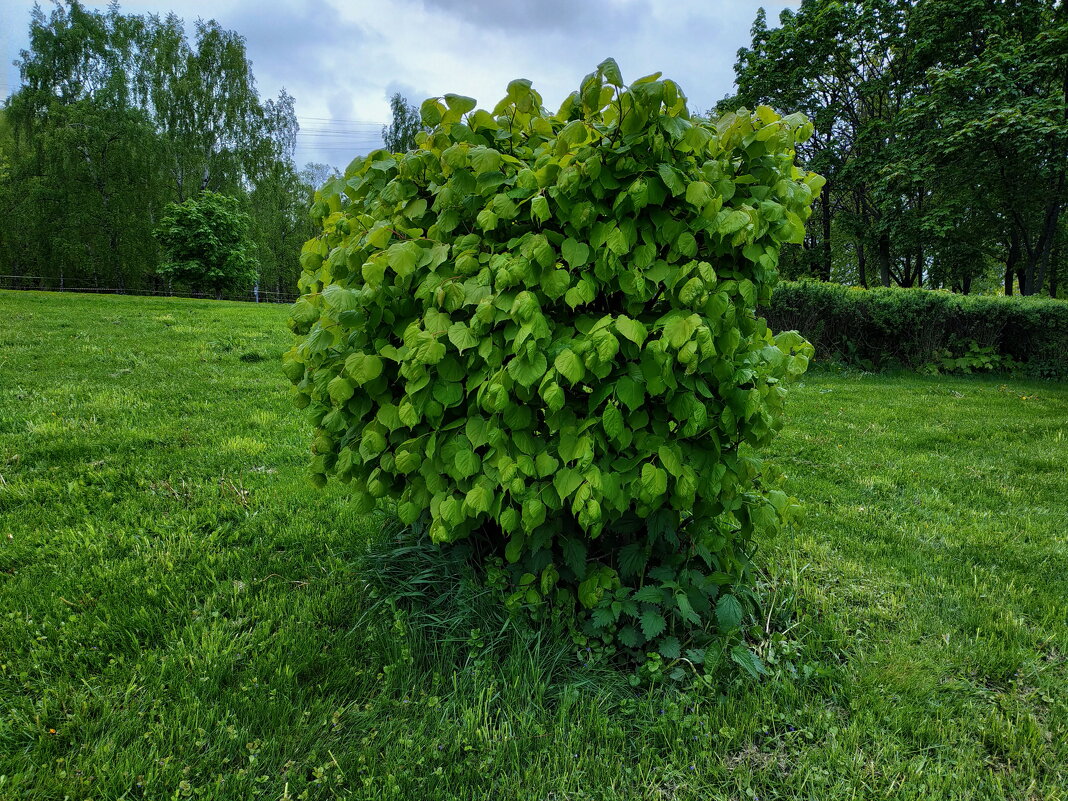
467, 463
728, 613
533, 514
543, 252
373, 272
371, 443
461, 336
671, 179
748, 661
460, 104
340, 299
539, 208
678, 330
545, 464
685, 609
566, 481
575, 133
698, 193
671, 459
631, 329
553, 396
514, 549
610, 70
574, 556
575, 253
484, 159
403, 256
340, 390
430, 112
363, 367
606, 344
653, 624
503, 207
408, 461
430, 352
632, 558
528, 371
686, 244
654, 480
590, 591
630, 392
569, 365
670, 648
555, 283
617, 242
486, 220
732, 222
649, 594
409, 512
603, 617
478, 499
612, 421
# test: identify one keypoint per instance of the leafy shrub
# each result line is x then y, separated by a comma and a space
970, 357
206, 244
876, 328
537, 331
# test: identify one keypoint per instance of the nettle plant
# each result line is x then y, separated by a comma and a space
538, 331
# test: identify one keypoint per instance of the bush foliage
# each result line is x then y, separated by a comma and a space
917, 327
206, 245
538, 330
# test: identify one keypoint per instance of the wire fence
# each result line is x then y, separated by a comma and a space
54, 284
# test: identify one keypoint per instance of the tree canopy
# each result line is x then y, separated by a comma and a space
941, 127
399, 135
206, 245
118, 116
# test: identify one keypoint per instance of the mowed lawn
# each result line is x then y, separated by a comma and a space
183, 615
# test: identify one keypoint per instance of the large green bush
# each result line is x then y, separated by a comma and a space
538, 330
916, 327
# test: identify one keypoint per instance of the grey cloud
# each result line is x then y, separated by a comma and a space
406, 90
541, 15
342, 59
297, 40
340, 106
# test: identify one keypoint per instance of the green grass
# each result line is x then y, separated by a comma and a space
181, 615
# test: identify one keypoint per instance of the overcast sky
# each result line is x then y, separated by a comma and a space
342, 60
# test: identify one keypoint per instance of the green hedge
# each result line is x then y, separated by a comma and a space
914, 327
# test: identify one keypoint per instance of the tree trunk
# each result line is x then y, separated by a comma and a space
884, 259
919, 265
1037, 269
1011, 261
1054, 259
825, 272
967, 285
861, 265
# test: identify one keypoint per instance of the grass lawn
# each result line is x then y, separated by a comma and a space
182, 615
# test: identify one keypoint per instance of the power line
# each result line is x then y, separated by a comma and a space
364, 134
338, 119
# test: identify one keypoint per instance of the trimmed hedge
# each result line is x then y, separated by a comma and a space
888, 326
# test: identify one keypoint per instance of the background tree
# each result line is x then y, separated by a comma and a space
206, 245
940, 126
399, 135
121, 114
